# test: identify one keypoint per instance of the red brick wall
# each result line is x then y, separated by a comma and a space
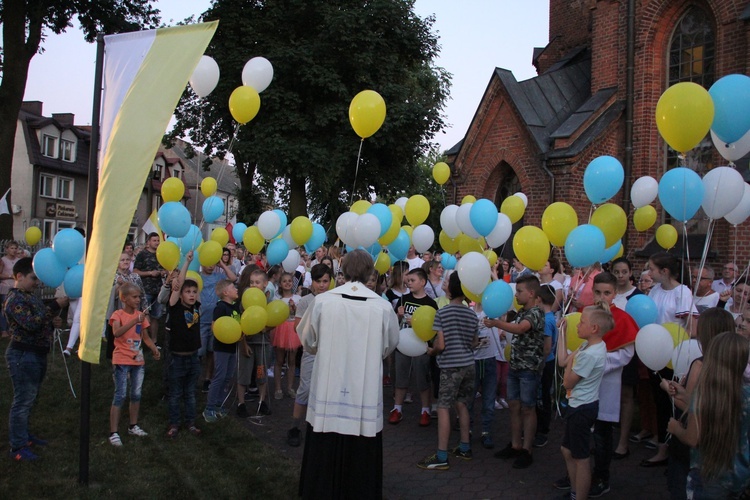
569, 27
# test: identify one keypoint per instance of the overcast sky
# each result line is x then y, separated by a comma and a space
475, 37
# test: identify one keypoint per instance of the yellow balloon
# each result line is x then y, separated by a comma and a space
172, 189
367, 113
209, 253
506, 351
278, 312
468, 244
408, 230
514, 208
227, 330
677, 332
471, 295
253, 240
220, 236
253, 320
397, 212
666, 236
382, 263
244, 104
468, 199
491, 257
684, 115
531, 247
612, 220
417, 209
558, 220
644, 218
573, 341
33, 235
360, 206
301, 229
620, 252
441, 172
208, 186
168, 255
192, 275
253, 297
392, 233
421, 322
447, 243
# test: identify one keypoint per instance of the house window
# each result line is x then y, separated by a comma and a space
52, 186
47, 186
176, 172
65, 188
49, 229
67, 150
49, 146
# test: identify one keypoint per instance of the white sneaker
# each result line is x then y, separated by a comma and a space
498, 406
115, 440
407, 398
504, 403
137, 431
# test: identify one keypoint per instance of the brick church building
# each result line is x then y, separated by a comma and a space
599, 79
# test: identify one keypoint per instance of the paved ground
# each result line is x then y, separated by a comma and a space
484, 476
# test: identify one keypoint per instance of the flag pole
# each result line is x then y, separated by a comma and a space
93, 181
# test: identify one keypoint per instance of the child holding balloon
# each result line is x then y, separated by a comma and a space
285, 339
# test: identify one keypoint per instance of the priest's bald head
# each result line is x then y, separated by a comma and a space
357, 266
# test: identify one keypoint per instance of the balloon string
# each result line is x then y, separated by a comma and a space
198, 168
356, 171
701, 266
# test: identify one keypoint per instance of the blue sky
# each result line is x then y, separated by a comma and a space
475, 37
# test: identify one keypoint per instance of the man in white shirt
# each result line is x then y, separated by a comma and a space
413, 259
723, 286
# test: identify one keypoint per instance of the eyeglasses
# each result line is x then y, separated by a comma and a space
695, 278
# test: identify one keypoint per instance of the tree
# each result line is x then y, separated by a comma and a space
25, 24
323, 54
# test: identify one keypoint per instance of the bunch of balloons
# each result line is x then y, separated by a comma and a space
60, 264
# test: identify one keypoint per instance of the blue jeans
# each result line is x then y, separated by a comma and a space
27, 370
225, 364
486, 379
183, 375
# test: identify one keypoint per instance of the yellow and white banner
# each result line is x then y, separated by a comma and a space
144, 75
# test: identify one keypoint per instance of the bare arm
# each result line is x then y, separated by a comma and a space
228, 271
174, 298
438, 345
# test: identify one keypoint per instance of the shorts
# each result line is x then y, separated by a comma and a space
578, 422
120, 374
522, 385
305, 376
259, 361
207, 339
157, 308
418, 365
630, 373
456, 386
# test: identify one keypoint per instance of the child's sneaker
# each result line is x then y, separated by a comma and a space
503, 403
424, 420
242, 411
222, 413
210, 416
508, 452
134, 430
395, 416
23, 455
540, 441
173, 431
408, 398
292, 437
524, 460
264, 409
433, 463
465, 455
562, 484
487, 441
192, 429
598, 488
114, 440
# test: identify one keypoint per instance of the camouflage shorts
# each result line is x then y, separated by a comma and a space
456, 386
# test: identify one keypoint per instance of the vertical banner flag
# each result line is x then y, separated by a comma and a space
145, 73
152, 225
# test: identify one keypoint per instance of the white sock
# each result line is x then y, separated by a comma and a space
425, 409
397, 407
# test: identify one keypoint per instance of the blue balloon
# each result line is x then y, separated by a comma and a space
194, 265
448, 261
213, 208
384, 215
374, 250
584, 245
317, 239
642, 309
48, 267
238, 232
73, 281
174, 219
681, 193
400, 246
731, 96
192, 240
483, 216
69, 246
610, 252
282, 218
497, 299
603, 178
277, 252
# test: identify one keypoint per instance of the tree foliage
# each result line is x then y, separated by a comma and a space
25, 24
323, 54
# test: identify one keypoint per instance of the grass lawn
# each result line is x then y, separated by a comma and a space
225, 462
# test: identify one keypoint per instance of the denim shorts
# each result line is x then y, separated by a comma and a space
522, 384
120, 374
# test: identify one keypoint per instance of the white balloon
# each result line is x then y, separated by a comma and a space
734, 151
501, 233
205, 76
422, 238
463, 219
257, 73
474, 271
286, 235
644, 191
401, 202
523, 197
448, 221
684, 354
367, 230
269, 224
654, 346
291, 262
724, 188
742, 210
409, 344
345, 227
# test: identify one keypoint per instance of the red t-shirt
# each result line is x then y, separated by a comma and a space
128, 345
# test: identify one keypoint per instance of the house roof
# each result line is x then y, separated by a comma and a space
222, 171
31, 123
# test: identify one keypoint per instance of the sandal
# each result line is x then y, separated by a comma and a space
194, 430
172, 432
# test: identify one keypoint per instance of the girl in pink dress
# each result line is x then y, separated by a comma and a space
285, 339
